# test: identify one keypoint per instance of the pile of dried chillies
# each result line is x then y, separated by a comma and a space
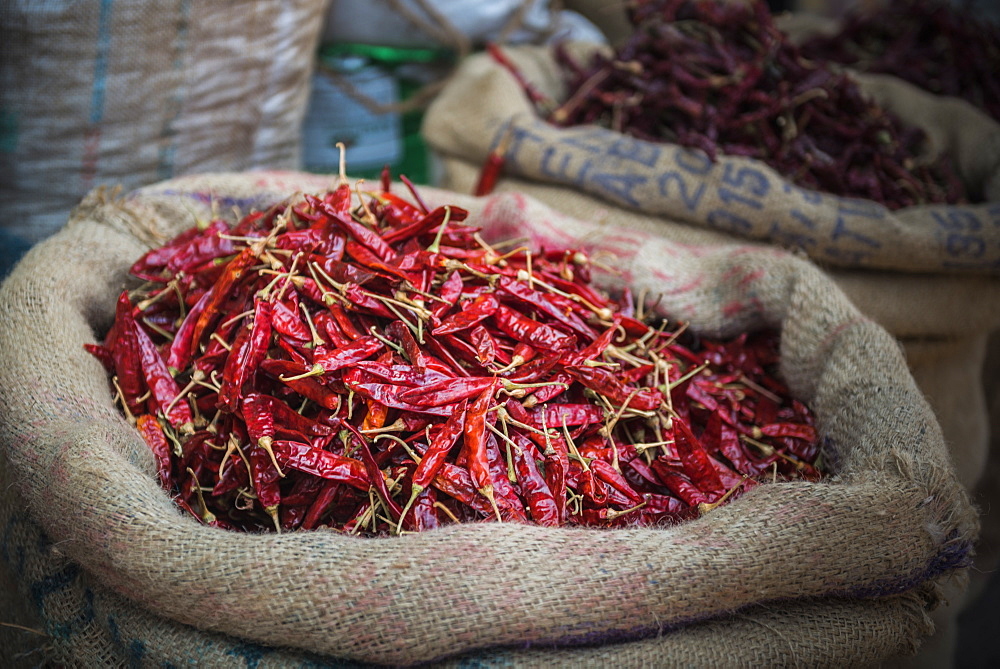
938, 46
380, 368
721, 77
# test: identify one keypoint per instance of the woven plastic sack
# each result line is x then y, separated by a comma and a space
836, 572
131, 92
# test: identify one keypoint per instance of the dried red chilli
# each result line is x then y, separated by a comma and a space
938, 46
124, 348
152, 433
720, 77
275, 397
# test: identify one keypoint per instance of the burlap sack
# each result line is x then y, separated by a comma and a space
840, 572
88, 625
132, 92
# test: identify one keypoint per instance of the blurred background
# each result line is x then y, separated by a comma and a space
119, 94
123, 93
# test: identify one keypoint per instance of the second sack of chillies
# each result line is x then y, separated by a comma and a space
709, 115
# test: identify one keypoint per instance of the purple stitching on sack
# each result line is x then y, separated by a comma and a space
953, 555
263, 201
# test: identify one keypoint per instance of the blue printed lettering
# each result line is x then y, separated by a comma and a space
590, 139
690, 196
860, 209
746, 178
56, 582
251, 653
113, 631
803, 219
730, 197
693, 162
557, 164
969, 246
136, 653
957, 219
619, 185
519, 138
136, 649
808, 196
720, 219
783, 235
841, 230
644, 153
87, 613
993, 211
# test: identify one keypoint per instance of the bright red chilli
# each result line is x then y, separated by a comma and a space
373, 368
